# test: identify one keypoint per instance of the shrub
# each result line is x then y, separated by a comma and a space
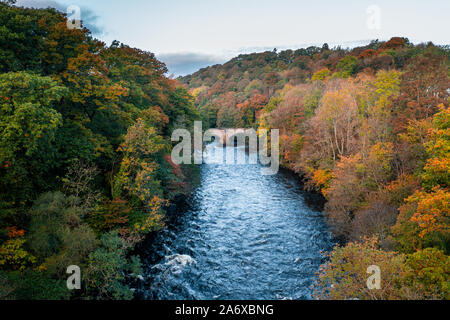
107, 268
58, 236
428, 275
345, 275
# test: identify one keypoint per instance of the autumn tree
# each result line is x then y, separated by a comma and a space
137, 179
334, 126
424, 85
424, 220
345, 275
354, 179
386, 87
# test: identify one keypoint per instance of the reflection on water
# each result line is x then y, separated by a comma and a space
243, 236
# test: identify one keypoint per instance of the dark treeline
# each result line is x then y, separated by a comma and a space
367, 127
85, 169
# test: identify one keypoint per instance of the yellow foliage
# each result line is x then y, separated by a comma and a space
13, 256
322, 74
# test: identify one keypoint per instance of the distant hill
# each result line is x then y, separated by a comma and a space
237, 80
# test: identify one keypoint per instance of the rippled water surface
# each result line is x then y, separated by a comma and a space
243, 236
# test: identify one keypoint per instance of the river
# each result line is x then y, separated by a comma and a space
242, 235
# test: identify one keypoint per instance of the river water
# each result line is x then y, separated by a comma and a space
242, 235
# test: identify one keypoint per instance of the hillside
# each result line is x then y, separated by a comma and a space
369, 129
248, 78
85, 169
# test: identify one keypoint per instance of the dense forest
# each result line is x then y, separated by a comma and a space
368, 128
85, 168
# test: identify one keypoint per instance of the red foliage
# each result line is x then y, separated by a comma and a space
14, 232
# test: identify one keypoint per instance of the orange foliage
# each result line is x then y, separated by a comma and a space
322, 179
111, 215
432, 212
14, 232
395, 42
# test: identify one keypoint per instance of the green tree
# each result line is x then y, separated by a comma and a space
347, 66
28, 123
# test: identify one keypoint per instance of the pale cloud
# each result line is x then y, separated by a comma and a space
184, 63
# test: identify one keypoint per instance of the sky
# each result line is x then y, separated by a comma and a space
191, 34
